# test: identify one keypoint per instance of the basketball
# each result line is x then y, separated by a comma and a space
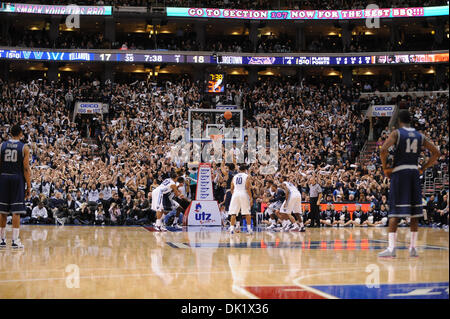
227, 115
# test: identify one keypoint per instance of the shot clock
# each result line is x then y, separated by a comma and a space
215, 83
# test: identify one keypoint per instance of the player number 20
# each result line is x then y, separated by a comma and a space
411, 147
11, 156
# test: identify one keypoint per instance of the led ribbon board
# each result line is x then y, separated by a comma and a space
73, 56
153, 57
55, 9
307, 14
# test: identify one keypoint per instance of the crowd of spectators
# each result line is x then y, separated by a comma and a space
418, 84
186, 41
108, 178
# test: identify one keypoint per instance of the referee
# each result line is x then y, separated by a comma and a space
315, 196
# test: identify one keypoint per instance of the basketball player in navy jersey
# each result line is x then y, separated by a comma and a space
14, 172
163, 200
405, 194
276, 200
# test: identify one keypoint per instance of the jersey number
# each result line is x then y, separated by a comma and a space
10, 155
411, 147
238, 180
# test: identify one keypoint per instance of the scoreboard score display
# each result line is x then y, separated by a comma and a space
215, 83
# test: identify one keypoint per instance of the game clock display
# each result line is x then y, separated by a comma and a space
215, 83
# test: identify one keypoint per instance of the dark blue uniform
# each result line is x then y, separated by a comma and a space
12, 179
328, 214
358, 214
405, 193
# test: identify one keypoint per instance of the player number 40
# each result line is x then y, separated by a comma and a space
11, 156
411, 147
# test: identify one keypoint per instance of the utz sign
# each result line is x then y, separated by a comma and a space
204, 213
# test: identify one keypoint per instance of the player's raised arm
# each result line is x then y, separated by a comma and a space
248, 188
232, 186
384, 152
27, 170
435, 153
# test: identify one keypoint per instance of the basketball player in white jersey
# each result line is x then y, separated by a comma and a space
292, 205
163, 199
241, 199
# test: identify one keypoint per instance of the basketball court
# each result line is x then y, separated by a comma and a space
208, 262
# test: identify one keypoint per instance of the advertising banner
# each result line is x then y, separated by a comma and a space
89, 107
383, 110
204, 213
307, 14
204, 183
55, 9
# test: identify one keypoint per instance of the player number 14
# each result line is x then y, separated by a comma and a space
411, 146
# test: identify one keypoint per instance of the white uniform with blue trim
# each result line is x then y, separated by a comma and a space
240, 200
157, 199
293, 202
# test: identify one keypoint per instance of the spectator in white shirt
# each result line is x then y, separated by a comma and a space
93, 194
39, 215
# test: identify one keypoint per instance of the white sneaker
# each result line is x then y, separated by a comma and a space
249, 232
272, 226
161, 228
231, 230
176, 226
295, 228
16, 244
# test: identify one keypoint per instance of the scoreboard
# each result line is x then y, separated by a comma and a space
215, 83
163, 57
139, 57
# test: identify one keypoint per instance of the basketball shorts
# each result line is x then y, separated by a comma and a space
240, 203
169, 203
405, 194
183, 203
12, 194
292, 206
157, 200
273, 207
